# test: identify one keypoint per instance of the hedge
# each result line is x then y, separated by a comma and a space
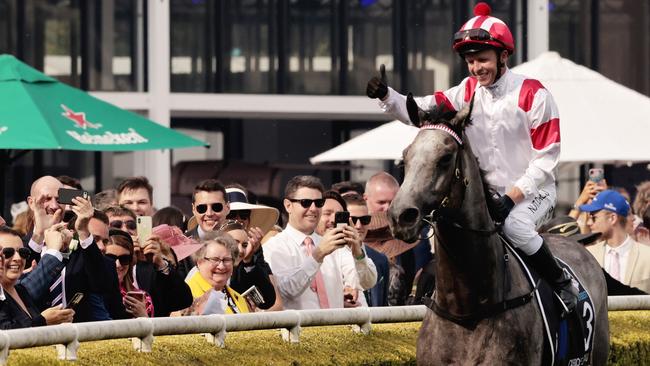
388, 344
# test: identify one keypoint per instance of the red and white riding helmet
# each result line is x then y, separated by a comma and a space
483, 31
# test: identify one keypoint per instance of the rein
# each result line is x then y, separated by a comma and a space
437, 216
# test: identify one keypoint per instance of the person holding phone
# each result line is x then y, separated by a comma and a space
19, 309
138, 303
307, 266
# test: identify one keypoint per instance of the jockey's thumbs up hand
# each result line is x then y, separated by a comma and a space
377, 87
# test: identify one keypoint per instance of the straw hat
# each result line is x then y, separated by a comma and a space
262, 216
381, 239
180, 244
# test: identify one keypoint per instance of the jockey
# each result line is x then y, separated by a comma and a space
515, 134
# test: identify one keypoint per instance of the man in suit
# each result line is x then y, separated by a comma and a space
623, 258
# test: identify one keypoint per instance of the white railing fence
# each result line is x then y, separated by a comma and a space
67, 337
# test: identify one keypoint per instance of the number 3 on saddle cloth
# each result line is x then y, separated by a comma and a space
568, 341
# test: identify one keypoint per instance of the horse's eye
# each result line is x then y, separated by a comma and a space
445, 160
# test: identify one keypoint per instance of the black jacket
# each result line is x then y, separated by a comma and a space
12, 316
168, 292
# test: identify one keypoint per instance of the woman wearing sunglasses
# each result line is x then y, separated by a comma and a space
18, 309
515, 134
138, 303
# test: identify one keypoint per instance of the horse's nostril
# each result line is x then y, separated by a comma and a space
409, 216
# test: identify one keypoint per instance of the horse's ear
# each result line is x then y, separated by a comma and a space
463, 118
413, 110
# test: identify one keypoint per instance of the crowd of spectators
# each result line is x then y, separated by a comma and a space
89, 260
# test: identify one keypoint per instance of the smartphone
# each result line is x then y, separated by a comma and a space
76, 299
144, 228
254, 295
341, 218
66, 195
597, 175
139, 295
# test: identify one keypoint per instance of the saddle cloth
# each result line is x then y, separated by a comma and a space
568, 341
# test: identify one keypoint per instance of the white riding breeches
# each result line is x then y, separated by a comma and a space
521, 225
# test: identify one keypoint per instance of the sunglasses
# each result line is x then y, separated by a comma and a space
306, 202
203, 208
241, 214
9, 252
125, 259
365, 220
117, 224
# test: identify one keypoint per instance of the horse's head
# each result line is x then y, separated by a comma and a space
430, 162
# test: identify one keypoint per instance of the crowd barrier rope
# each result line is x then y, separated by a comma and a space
68, 337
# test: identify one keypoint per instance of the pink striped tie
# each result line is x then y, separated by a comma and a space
614, 265
317, 284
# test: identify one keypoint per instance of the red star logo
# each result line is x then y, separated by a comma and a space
78, 118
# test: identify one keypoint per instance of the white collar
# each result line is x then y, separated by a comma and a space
2, 294
298, 236
622, 249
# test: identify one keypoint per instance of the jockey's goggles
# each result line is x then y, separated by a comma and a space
474, 34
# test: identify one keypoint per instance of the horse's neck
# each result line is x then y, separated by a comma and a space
470, 267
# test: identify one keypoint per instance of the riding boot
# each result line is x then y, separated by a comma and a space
548, 268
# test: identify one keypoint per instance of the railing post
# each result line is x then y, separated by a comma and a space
144, 344
363, 327
4, 348
292, 335
68, 351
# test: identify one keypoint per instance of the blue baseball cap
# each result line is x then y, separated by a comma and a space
608, 200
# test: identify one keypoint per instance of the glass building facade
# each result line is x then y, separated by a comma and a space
304, 47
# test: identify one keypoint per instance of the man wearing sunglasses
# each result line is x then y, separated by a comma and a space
307, 266
359, 272
377, 295
515, 134
210, 208
623, 258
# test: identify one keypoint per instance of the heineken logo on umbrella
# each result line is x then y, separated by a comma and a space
107, 138
78, 118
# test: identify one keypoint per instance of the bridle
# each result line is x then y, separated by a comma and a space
437, 213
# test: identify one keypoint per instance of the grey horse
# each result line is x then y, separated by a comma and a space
442, 176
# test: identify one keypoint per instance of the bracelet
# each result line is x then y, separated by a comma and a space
363, 255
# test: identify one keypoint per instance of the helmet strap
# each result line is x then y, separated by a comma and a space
500, 64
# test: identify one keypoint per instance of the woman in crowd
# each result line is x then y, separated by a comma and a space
251, 255
17, 308
138, 303
215, 261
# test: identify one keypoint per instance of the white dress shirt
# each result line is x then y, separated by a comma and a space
623, 251
294, 270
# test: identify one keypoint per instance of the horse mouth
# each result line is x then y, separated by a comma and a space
406, 225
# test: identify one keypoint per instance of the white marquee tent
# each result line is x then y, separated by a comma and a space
600, 120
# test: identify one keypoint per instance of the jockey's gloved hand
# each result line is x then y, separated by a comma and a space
377, 87
502, 207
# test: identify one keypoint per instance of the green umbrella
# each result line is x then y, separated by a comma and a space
39, 112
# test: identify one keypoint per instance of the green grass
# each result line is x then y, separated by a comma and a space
388, 344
